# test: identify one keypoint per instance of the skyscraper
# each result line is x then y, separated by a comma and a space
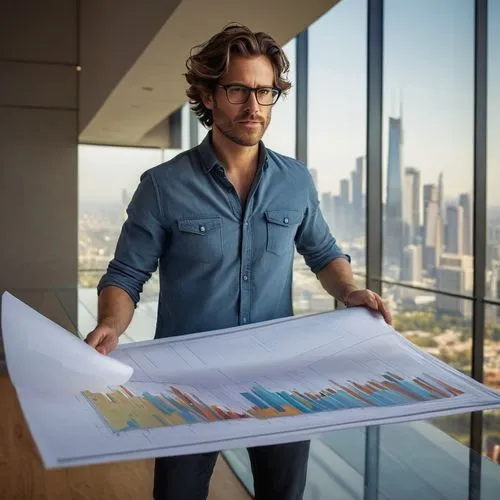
393, 237
412, 264
357, 196
345, 211
454, 229
432, 230
455, 273
345, 194
411, 206
465, 202
429, 194
441, 196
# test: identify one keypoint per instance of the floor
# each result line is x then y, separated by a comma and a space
23, 477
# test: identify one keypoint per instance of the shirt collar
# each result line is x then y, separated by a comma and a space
209, 159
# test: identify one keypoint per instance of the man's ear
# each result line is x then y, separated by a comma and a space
208, 99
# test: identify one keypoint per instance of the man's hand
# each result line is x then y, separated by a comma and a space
369, 299
104, 339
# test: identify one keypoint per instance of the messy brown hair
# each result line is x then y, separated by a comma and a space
209, 62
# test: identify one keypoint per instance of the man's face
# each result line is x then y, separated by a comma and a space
244, 124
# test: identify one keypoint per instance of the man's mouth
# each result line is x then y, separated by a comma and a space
250, 123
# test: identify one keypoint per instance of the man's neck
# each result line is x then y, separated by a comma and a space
237, 160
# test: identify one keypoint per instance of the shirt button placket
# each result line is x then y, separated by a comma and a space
245, 281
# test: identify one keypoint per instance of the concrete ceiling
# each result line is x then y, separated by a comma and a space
132, 59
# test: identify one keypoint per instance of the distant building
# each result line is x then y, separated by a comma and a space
357, 179
411, 206
393, 234
465, 202
412, 264
455, 229
432, 231
455, 274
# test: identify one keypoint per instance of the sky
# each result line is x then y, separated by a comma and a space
428, 67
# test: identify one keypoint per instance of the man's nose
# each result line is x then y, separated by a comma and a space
252, 105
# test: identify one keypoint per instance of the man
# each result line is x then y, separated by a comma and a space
222, 220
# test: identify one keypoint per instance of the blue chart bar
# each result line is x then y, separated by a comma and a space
415, 389
158, 403
379, 399
268, 397
295, 403
316, 404
253, 399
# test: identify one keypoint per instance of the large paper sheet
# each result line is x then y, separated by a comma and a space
267, 383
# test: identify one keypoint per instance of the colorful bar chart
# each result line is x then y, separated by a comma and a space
123, 410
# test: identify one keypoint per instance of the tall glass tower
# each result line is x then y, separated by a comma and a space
393, 238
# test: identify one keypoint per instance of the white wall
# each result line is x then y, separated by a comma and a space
38, 153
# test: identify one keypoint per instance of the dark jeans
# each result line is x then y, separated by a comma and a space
279, 473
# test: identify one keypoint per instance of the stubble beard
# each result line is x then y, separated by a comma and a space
229, 129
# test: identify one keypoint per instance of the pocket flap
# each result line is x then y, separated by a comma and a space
284, 217
199, 226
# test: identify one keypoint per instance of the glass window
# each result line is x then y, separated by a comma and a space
491, 435
428, 143
280, 135
493, 154
425, 318
491, 371
107, 179
202, 132
491, 419
419, 457
336, 109
439, 324
491, 367
185, 116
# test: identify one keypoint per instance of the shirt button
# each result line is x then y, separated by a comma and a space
285, 220
245, 277
202, 229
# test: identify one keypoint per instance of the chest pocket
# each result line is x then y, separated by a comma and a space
281, 229
200, 240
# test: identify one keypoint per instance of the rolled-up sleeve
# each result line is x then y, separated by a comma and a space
140, 243
313, 239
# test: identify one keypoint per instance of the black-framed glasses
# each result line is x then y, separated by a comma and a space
239, 94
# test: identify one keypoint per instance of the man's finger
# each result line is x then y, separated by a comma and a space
101, 348
107, 345
384, 310
93, 339
372, 301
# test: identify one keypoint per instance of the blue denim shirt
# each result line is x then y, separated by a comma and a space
221, 263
